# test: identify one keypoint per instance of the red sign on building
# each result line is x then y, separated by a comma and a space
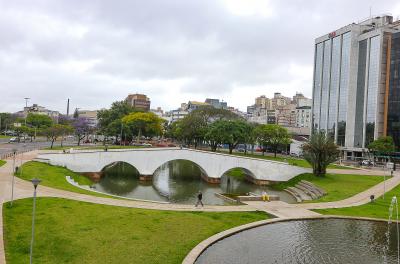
332, 34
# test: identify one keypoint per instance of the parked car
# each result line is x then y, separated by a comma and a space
12, 140
240, 149
367, 163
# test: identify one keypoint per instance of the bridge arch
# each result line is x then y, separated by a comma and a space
116, 178
183, 161
119, 165
235, 173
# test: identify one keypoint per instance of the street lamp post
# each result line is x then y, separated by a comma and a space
22, 156
35, 183
389, 165
13, 177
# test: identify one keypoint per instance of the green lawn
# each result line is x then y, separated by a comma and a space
378, 209
2, 162
338, 186
54, 176
2, 136
69, 231
292, 161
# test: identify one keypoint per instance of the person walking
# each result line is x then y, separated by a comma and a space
199, 199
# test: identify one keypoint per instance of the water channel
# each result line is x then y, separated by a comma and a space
307, 241
177, 181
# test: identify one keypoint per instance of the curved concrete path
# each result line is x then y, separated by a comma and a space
24, 189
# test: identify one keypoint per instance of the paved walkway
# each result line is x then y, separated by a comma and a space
24, 189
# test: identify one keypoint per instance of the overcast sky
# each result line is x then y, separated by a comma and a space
97, 52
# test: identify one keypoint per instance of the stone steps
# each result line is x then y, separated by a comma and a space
300, 193
314, 187
295, 195
305, 191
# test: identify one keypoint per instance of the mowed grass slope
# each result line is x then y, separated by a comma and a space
338, 186
377, 209
54, 176
77, 232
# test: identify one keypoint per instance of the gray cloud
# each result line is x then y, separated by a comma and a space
96, 52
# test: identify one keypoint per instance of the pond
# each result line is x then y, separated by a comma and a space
307, 241
177, 181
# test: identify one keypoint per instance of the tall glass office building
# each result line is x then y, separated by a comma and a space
356, 87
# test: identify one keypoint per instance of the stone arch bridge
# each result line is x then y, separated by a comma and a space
148, 160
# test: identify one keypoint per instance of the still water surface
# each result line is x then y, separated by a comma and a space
177, 181
309, 242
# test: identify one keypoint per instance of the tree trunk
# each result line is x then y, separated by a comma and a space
52, 142
230, 148
139, 136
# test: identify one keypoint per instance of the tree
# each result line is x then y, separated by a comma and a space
110, 120
31, 132
320, 151
57, 130
81, 128
38, 120
273, 136
6, 121
192, 128
231, 132
382, 145
143, 123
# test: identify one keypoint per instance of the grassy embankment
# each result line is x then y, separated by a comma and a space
377, 209
54, 176
69, 231
337, 186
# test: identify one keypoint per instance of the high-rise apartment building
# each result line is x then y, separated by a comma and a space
139, 101
356, 90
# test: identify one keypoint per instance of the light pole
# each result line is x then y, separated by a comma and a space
35, 183
389, 165
13, 176
22, 156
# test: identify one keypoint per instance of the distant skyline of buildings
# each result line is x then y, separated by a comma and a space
289, 112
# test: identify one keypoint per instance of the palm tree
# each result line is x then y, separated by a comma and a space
320, 151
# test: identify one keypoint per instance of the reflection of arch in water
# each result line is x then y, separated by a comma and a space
236, 179
119, 178
178, 178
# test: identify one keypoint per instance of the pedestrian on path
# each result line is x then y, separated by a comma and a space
199, 199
